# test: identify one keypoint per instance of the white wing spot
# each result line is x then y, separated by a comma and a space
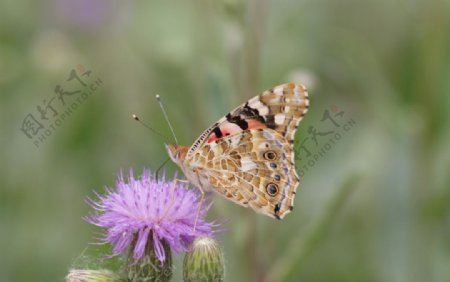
263, 146
264, 110
279, 118
286, 109
255, 104
278, 90
247, 164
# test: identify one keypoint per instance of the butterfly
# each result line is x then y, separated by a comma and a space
248, 155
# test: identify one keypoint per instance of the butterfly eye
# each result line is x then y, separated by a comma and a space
272, 189
270, 155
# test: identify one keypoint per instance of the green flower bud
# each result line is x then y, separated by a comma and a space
204, 261
149, 267
90, 275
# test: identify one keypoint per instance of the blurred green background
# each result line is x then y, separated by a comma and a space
374, 207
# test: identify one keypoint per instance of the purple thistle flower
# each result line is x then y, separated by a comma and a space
145, 207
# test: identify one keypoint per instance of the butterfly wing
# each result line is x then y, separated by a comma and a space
254, 168
247, 156
280, 108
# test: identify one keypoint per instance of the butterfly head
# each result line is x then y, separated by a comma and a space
177, 152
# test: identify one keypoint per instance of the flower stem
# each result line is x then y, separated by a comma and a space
303, 246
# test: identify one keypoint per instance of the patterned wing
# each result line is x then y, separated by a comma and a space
254, 168
280, 108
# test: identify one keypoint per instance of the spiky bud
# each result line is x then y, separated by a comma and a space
90, 275
149, 267
204, 261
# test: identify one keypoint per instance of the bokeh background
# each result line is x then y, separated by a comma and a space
374, 206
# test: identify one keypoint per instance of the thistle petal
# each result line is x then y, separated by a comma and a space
137, 208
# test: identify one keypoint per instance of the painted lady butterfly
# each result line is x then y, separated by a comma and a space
248, 155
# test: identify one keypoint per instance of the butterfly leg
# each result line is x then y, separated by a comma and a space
172, 194
202, 198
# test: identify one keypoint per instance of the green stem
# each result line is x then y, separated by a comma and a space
302, 247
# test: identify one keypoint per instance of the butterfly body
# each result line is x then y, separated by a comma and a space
247, 156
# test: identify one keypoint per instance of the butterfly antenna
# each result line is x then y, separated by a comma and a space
166, 117
160, 167
136, 118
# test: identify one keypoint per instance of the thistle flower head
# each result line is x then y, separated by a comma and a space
138, 211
